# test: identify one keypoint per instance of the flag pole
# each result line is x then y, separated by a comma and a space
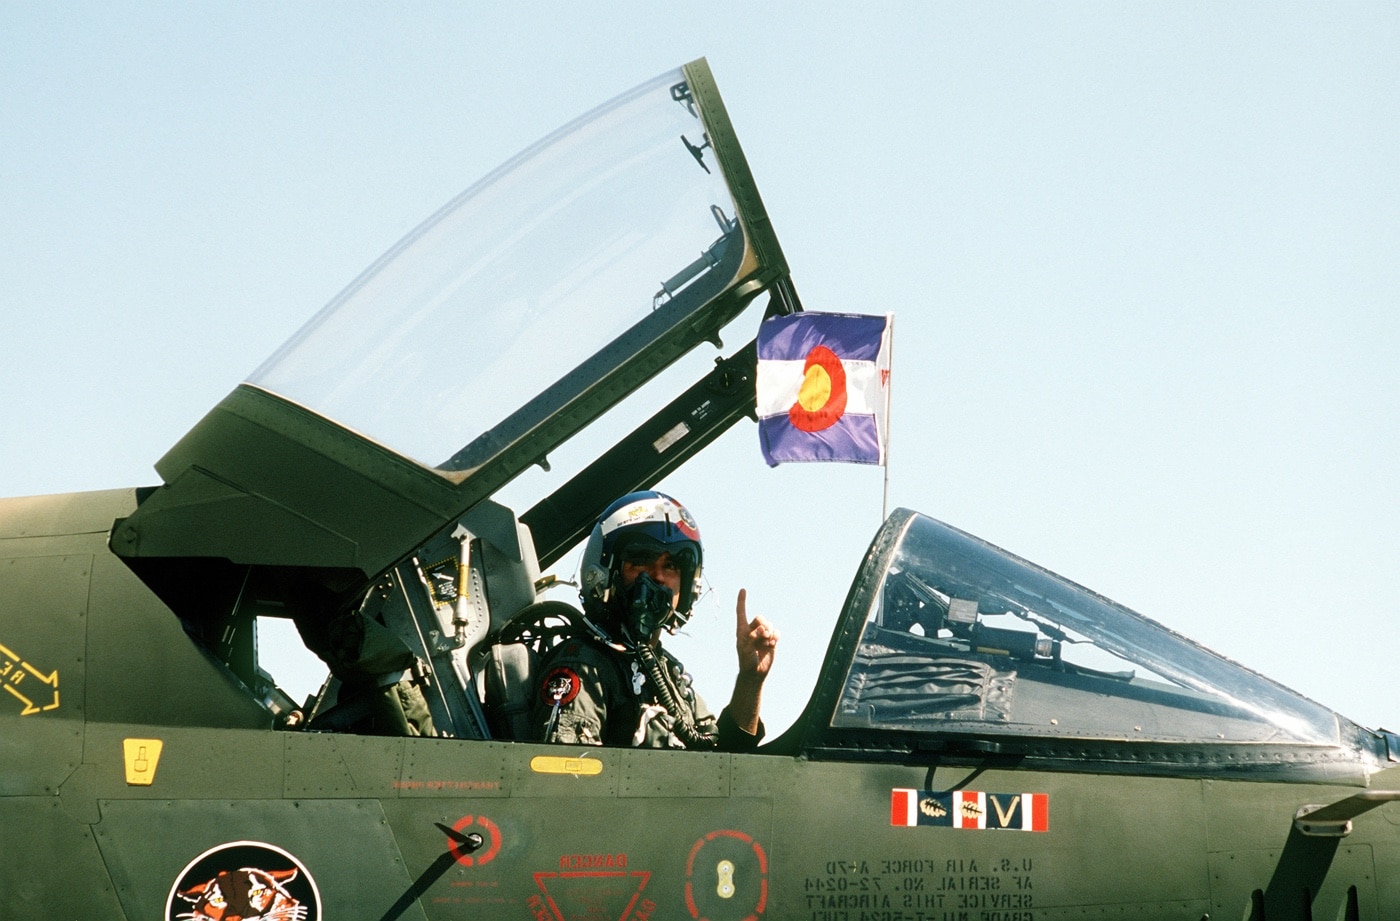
889, 385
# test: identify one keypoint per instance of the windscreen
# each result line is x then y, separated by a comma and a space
963, 637
619, 223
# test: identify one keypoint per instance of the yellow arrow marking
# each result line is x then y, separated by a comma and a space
12, 673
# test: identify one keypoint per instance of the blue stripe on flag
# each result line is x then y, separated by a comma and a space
853, 337
853, 438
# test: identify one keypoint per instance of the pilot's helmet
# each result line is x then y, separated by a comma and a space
641, 523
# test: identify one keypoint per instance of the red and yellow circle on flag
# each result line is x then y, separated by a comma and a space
821, 400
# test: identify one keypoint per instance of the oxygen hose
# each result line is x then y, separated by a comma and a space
667, 694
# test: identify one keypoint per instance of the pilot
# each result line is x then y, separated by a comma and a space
613, 684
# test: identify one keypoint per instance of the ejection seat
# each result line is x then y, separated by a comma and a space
437, 622
510, 666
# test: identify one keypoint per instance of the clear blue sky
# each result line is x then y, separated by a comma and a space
1142, 259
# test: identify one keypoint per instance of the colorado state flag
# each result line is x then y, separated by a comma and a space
823, 385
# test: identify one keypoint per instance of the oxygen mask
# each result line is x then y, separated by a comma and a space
647, 605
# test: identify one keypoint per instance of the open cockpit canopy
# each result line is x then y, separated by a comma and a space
503, 310
491, 334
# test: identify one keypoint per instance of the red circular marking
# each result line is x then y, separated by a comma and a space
762, 869
561, 684
491, 833
826, 415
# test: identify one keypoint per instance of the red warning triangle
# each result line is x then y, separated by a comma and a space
590, 895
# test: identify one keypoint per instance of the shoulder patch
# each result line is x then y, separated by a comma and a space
560, 686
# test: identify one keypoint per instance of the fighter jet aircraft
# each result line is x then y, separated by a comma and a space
986, 741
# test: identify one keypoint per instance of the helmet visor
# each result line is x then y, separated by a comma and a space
644, 552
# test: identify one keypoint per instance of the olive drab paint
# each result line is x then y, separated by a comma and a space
985, 741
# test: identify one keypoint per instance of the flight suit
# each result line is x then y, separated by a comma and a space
605, 696
379, 692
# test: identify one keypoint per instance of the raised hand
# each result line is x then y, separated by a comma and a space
754, 640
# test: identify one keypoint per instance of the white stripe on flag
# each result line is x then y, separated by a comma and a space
779, 382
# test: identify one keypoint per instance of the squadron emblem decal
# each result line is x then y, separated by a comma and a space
560, 686
246, 880
971, 809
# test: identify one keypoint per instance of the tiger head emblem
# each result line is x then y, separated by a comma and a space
245, 894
